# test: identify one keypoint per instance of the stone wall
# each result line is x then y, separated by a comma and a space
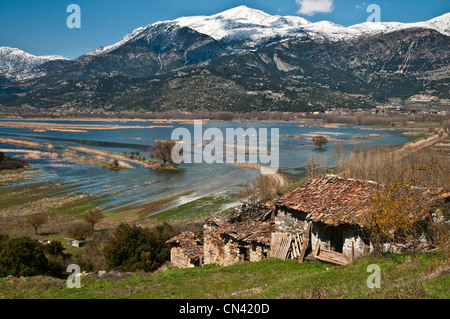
179, 259
222, 250
289, 221
258, 252
218, 249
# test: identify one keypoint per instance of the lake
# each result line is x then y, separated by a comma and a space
194, 181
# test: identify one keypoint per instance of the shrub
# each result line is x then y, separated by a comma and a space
4, 238
55, 256
316, 166
263, 188
93, 258
23, 257
163, 151
55, 248
132, 247
78, 231
7, 162
446, 125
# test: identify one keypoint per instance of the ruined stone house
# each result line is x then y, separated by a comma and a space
242, 236
228, 243
186, 250
322, 218
334, 207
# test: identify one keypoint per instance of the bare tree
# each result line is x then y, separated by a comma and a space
263, 188
316, 166
92, 217
36, 221
163, 151
396, 212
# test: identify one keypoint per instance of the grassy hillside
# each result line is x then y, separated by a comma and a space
421, 275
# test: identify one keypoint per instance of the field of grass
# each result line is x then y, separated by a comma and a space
416, 276
195, 209
416, 137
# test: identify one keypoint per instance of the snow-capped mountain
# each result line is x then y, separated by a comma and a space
17, 64
213, 62
249, 27
254, 27
246, 28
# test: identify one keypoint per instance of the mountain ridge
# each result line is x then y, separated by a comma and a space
271, 62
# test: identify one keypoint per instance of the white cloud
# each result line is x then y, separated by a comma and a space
361, 6
311, 7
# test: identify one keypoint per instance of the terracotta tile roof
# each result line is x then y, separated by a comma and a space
331, 200
192, 248
249, 231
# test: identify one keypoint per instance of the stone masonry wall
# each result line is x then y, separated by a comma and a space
219, 250
289, 221
224, 251
179, 259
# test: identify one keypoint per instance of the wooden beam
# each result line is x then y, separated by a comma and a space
287, 245
316, 251
332, 257
305, 243
353, 250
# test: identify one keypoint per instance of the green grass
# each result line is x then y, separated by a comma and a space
402, 276
416, 137
197, 208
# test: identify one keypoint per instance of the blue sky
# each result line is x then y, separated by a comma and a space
39, 26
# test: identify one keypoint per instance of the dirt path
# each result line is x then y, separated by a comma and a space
412, 147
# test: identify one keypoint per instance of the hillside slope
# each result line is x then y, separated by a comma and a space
409, 276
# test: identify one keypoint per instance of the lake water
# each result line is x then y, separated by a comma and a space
142, 185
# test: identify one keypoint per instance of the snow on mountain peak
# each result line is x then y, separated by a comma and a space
16, 59
252, 27
244, 24
246, 28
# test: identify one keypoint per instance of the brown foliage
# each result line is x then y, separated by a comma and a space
93, 258
92, 217
36, 221
320, 140
163, 151
316, 166
396, 214
263, 188
78, 231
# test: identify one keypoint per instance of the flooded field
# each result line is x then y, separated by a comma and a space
65, 155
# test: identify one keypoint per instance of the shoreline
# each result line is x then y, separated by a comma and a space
72, 128
79, 128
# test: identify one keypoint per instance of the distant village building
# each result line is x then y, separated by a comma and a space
422, 98
77, 243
